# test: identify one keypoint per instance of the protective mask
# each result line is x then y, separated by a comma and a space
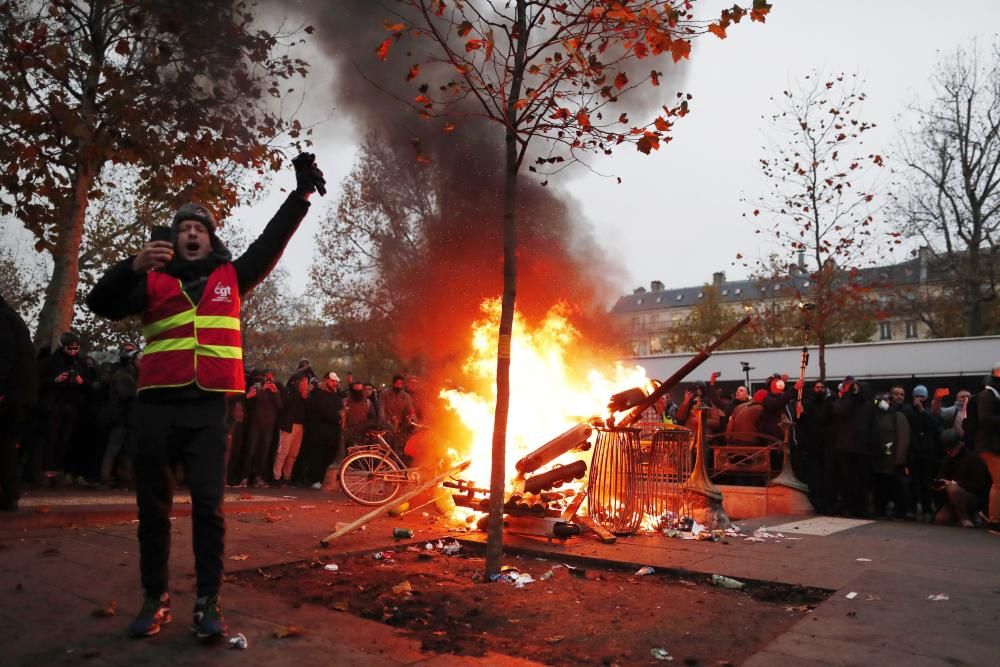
779, 385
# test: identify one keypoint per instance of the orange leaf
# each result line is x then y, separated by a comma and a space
621, 80
662, 125
641, 50
422, 99
521, 103
383, 49
680, 48
717, 30
464, 29
394, 27
473, 45
583, 118
412, 74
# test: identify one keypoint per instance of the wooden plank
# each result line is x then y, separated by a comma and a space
382, 509
602, 533
570, 512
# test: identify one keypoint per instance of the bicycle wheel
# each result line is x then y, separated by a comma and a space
369, 479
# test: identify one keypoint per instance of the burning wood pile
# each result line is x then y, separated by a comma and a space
629, 481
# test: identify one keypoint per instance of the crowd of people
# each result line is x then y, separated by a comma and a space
892, 454
83, 428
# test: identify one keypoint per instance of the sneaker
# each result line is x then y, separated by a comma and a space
154, 613
208, 622
993, 528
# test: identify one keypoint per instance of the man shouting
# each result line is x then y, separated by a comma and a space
188, 291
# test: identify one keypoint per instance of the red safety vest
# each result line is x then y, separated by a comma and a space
187, 344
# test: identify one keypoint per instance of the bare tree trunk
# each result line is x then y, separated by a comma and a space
494, 534
56, 315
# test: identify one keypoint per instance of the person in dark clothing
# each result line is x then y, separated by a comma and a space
321, 442
359, 414
121, 404
188, 292
962, 485
776, 405
63, 380
236, 417
291, 428
18, 393
923, 456
264, 404
890, 448
815, 428
853, 416
985, 432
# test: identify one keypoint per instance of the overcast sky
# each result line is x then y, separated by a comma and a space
677, 216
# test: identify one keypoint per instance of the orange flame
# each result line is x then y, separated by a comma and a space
550, 391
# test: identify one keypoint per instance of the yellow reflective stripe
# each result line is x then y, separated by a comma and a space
156, 328
169, 345
217, 322
220, 351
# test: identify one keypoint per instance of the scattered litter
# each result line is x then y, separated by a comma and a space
429, 546
555, 639
522, 580
384, 555
726, 582
332, 567
287, 631
270, 518
451, 548
686, 582
292, 497
307, 507
644, 570
403, 588
696, 528
851, 595
872, 598
660, 653
340, 605
105, 612
238, 642
863, 560
807, 608
239, 557
938, 597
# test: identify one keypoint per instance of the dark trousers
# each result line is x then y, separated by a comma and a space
922, 470
893, 486
258, 445
10, 489
60, 426
192, 434
816, 478
853, 480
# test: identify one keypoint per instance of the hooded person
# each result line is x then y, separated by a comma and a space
854, 419
18, 393
188, 291
63, 386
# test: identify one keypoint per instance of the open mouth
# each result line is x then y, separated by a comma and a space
193, 246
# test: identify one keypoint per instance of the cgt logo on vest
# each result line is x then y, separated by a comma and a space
223, 293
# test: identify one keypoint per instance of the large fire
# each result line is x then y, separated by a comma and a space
550, 390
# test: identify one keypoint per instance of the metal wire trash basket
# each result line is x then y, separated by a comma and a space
616, 490
666, 471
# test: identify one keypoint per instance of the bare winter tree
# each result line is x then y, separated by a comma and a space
819, 203
950, 201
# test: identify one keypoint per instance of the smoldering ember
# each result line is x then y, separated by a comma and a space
320, 324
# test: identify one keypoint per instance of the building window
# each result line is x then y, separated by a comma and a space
680, 296
911, 329
701, 295
725, 292
737, 291
885, 330
659, 299
639, 301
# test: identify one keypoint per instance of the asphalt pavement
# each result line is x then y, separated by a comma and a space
902, 593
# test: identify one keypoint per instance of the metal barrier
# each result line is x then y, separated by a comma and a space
667, 470
615, 488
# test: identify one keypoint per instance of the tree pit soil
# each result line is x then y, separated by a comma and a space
583, 615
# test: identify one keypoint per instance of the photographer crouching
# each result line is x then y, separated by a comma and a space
188, 290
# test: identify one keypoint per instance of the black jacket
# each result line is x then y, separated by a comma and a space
18, 370
854, 417
121, 292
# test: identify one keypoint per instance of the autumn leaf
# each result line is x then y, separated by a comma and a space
583, 118
648, 142
473, 45
662, 125
654, 77
621, 80
383, 49
448, 127
680, 48
464, 29
422, 99
287, 631
122, 47
641, 50
521, 103
414, 71
393, 27
717, 30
